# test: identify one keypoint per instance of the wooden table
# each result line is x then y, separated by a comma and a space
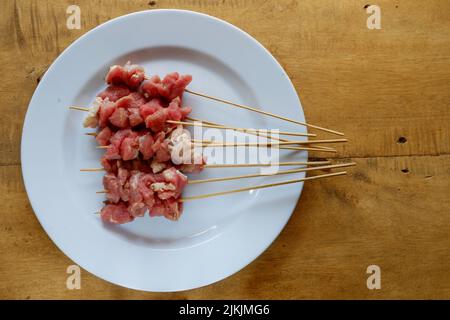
388, 90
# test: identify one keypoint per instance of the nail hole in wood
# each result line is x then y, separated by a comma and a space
402, 140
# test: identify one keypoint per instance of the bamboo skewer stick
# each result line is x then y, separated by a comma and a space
243, 165
256, 144
246, 176
312, 147
255, 133
283, 140
277, 147
284, 148
246, 130
94, 134
204, 121
263, 112
323, 148
79, 108
263, 175
221, 126
262, 186
92, 170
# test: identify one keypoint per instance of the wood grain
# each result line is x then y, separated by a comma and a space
375, 85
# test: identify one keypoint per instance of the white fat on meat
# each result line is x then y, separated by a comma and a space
128, 66
91, 120
162, 186
157, 166
134, 180
170, 175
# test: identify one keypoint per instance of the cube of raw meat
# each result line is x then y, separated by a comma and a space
129, 148
116, 213
196, 166
151, 88
122, 175
119, 118
157, 167
150, 107
117, 138
145, 146
103, 136
135, 195
135, 75
185, 111
137, 209
158, 209
174, 110
116, 75
133, 100
112, 153
172, 86
112, 184
135, 117
176, 84
129, 75
176, 178
173, 209
107, 108
161, 148
114, 93
156, 121
144, 186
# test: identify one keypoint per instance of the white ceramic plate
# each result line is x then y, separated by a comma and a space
215, 237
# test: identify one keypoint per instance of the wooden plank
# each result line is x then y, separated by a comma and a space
378, 215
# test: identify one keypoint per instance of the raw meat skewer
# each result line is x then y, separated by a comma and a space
263, 112
285, 148
246, 176
281, 164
